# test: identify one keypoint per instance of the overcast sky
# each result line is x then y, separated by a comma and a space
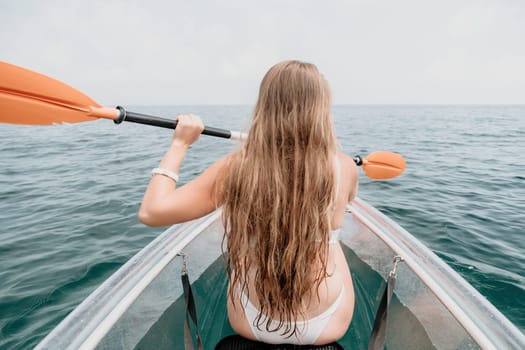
216, 52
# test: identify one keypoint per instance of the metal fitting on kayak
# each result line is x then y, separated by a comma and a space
184, 270
397, 259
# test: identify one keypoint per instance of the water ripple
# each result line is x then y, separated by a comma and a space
69, 196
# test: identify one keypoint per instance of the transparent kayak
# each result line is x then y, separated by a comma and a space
142, 306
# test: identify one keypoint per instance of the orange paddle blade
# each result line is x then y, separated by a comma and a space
383, 165
27, 97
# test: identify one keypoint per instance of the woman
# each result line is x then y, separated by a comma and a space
283, 196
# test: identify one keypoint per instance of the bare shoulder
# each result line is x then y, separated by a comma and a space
218, 172
347, 163
350, 174
221, 164
210, 178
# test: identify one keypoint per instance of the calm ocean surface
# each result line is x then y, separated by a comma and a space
69, 195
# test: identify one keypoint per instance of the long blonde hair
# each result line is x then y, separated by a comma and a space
278, 192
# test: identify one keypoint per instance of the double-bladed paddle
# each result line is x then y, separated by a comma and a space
28, 97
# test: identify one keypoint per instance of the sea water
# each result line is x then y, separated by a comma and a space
69, 195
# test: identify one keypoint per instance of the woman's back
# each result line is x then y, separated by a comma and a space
282, 195
327, 308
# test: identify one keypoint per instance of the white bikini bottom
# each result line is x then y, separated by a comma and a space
307, 331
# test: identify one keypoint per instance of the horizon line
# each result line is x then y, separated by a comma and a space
340, 104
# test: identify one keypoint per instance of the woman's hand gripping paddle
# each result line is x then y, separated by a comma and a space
27, 97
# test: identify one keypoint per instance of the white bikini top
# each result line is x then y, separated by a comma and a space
334, 236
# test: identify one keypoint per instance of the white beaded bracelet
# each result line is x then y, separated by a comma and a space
166, 172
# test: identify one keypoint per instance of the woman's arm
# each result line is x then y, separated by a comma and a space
164, 203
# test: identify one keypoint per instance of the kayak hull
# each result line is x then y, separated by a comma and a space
141, 306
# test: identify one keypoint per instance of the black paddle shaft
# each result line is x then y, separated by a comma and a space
172, 124
164, 123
